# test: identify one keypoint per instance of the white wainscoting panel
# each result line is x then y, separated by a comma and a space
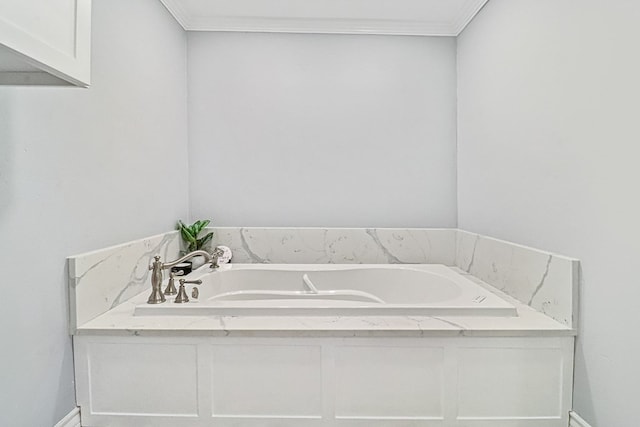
389, 382
143, 379
282, 381
509, 383
134, 381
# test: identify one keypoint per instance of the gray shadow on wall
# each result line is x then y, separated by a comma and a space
7, 147
65, 399
583, 385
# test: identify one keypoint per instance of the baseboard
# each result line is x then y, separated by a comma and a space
72, 419
576, 420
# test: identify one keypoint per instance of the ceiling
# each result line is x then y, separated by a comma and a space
399, 17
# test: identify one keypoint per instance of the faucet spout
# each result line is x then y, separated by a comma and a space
188, 256
158, 266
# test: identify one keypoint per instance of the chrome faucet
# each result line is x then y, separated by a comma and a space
157, 266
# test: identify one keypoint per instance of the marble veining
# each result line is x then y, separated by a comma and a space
338, 245
103, 283
140, 273
529, 322
103, 279
391, 259
544, 281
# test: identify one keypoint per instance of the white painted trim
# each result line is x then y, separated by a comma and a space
576, 420
72, 419
326, 356
73, 67
466, 16
323, 25
176, 9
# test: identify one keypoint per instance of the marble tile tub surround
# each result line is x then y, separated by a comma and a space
338, 245
547, 282
542, 280
103, 279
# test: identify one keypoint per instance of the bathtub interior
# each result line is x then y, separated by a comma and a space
251, 289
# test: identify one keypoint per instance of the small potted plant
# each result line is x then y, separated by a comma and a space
192, 240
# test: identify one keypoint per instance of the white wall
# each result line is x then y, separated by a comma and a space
322, 130
548, 156
79, 170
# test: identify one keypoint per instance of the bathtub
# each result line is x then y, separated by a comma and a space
333, 290
295, 345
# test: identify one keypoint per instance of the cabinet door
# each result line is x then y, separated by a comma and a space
45, 42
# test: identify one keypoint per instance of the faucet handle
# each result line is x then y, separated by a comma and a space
171, 287
220, 255
156, 261
182, 293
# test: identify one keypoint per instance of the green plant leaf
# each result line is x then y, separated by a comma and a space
187, 235
205, 240
196, 228
190, 234
200, 225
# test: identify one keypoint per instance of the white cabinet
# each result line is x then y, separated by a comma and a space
45, 42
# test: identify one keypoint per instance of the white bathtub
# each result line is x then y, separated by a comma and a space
333, 290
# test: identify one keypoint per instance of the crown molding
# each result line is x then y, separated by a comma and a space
466, 15
177, 10
323, 25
